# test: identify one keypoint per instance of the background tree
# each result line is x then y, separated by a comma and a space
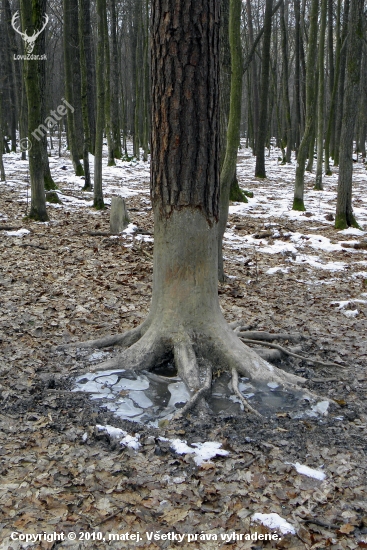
344, 213
98, 201
32, 19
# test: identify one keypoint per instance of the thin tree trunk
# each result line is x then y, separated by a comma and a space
340, 105
297, 88
115, 114
254, 79
298, 201
344, 213
98, 192
84, 98
69, 13
285, 83
2, 170
330, 132
321, 94
32, 18
265, 74
228, 171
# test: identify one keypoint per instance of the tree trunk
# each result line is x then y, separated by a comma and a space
344, 213
32, 18
2, 170
115, 115
330, 132
185, 321
285, 84
228, 171
340, 105
321, 94
265, 67
297, 88
98, 192
69, 55
298, 202
84, 98
254, 79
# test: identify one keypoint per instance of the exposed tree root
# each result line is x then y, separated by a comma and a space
267, 336
239, 394
126, 339
195, 352
291, 354
198, 396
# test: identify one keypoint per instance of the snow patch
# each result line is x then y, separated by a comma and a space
274, 521
307, 471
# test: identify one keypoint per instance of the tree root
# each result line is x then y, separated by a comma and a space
267, 336
240, 396
194, 353
124, 340
291, 354
198, 396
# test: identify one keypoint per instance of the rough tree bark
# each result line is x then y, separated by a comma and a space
32, 19
2, 170
185, 320
344, 213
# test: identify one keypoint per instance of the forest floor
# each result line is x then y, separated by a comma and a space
69, 280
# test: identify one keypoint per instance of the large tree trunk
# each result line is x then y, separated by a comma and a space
298, 202
32, 19
344, 212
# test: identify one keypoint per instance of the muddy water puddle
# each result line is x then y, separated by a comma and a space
150, 397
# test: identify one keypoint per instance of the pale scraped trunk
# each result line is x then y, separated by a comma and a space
321, 94
98, 193
344, 213
298, 201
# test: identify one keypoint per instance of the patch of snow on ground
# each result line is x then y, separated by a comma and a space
126, 439
307, 471
18, 233
203, 451
274, 521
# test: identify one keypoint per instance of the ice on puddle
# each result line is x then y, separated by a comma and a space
110, 380
92, 387
126, 409
179, 393
141, 399
274, 521
272, 385
141, 383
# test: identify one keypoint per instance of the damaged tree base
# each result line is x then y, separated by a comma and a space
185, 321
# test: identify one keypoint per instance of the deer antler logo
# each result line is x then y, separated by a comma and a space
29, 40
